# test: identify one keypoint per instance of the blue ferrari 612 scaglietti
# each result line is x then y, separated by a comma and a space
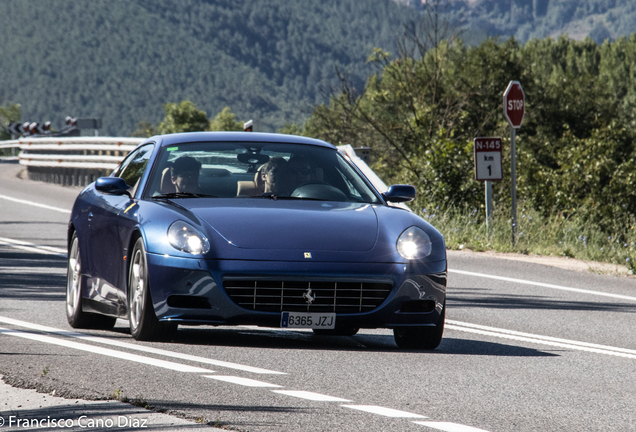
238, 228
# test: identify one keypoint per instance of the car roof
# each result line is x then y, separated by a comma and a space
187, 137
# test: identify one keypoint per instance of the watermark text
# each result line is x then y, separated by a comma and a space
81, 421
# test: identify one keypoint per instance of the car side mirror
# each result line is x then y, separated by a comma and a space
112, 186
399, 193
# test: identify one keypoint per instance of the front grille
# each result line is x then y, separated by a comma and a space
295, 296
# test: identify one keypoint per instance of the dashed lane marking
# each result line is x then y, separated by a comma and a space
310, 395
387, 412
105, 351
31, 203
242, 381
543, 285
150, 350
449, 427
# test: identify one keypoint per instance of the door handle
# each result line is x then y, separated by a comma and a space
90, 216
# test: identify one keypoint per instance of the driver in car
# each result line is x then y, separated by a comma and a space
185, 174
300, 171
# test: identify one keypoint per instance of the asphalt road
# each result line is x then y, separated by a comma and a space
527, 348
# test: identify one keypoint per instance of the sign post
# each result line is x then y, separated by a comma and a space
514, 110
89, 123
488, 169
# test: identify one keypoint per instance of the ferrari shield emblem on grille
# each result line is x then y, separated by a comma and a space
307, 254
309, 298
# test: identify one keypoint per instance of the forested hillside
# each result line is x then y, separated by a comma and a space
123, 59
529, 19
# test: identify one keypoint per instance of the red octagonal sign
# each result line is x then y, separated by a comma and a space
514, 104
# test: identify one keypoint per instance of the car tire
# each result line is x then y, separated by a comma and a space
76, 317
425, 338
144, 325
345, 331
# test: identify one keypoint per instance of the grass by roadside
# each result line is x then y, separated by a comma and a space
539, 235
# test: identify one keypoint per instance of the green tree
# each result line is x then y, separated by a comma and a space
183, 117
292, 129
414, 114
9, 114
225, 121
420, 112
145, 129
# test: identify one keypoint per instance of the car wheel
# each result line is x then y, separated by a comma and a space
144, 325
427, 338
345, 331
76, 317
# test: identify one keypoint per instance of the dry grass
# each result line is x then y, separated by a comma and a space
539, 235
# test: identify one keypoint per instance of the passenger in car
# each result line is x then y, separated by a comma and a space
185, 174
274, 174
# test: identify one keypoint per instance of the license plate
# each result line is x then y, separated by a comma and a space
313, 320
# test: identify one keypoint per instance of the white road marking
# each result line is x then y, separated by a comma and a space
388, 412
242, 381
106, 341
310, 395
31, 203
544, 340
105, 351
543, 285
449, 427
32, 271
31, 247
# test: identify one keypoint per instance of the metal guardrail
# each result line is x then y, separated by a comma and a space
72, 161
73, 152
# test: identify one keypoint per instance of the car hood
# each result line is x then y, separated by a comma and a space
291, 225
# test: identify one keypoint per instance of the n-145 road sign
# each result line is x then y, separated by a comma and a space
488, 159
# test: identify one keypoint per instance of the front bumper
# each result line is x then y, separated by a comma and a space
190, 290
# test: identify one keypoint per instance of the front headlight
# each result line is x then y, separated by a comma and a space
186, 238
414, 243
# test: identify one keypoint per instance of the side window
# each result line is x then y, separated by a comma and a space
121, 167
134, 166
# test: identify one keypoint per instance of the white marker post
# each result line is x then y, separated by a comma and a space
514, 110
487, 153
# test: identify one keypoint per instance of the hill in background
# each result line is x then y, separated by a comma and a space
121, 60
529, 19
268, 60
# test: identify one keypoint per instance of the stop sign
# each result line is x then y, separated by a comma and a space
514, 104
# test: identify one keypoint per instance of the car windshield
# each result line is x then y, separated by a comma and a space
256, 170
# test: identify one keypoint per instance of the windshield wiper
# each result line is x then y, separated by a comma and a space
184, 195
274, 197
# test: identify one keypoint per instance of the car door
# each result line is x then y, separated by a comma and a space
128, 217
107, 261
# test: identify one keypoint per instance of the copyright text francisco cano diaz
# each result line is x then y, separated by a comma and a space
67, 423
